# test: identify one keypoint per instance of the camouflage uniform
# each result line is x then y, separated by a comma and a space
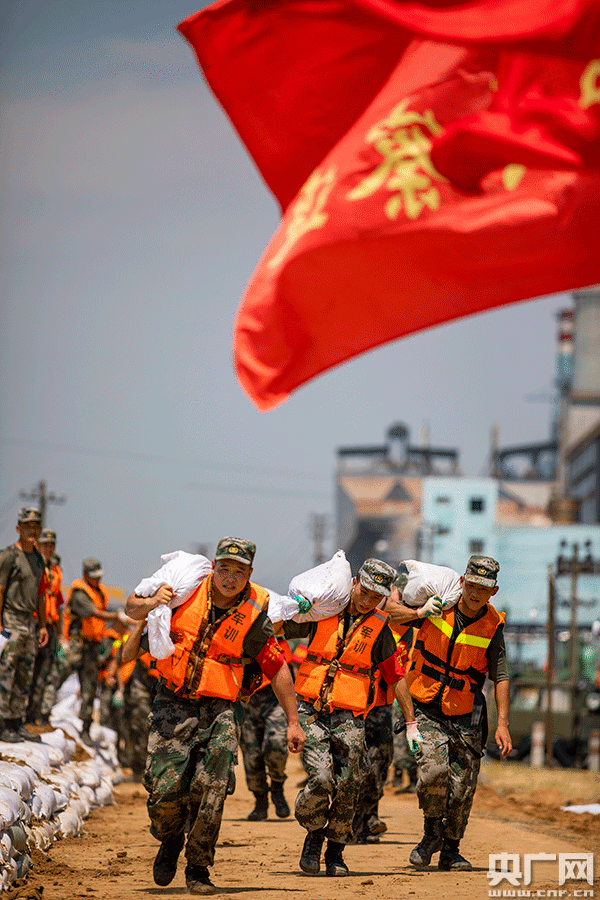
452, 745
192, 743
20, 575
83, 658
191, 748
263, 740
335, 740
17, 664
450, 758
40, 686
379, 751
335, 744
138, 695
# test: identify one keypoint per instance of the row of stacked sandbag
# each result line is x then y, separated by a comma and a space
48, 789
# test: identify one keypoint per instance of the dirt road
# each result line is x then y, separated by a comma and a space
516, 810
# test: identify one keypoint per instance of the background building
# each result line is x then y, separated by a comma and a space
540, 501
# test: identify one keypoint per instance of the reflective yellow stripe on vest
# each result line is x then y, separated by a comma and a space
472, 640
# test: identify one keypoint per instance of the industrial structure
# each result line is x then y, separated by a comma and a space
400, 501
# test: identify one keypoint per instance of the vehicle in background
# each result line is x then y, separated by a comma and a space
575, 711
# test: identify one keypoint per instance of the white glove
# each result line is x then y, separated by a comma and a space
414, 738
433, 607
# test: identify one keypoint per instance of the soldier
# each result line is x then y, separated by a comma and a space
453, 652
194, 721
336, 683
45, 677
379, 753
88, 612
21, 573
263, 743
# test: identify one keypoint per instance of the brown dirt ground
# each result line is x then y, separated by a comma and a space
516, 810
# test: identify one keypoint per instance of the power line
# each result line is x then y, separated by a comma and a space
134, 456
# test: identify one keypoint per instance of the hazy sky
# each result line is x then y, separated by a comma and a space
132, 221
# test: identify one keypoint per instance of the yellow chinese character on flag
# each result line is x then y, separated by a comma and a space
403, 140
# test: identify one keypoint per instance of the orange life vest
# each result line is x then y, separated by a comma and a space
150, 663
452, 669
126, 668
218, 671
53, 594
353, 681
92, 628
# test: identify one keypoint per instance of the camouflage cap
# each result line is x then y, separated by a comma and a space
29, 514
236, 548
376, 575
47, 537
92, 567
482, 570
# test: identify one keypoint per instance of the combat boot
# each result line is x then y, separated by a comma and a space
429, 844
375, 826
451, 860
197, 880
165, 864
335, 866
310, 861
25, 735
261, 808
279, 802
7, 733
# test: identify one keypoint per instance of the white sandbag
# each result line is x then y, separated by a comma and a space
327, 588
104, 791
281, 608
67, 700
89, 794
20, 778
9, 874
426, 580
6, 846
44, 834
43, 802
159, 627
183, 572
58, 740
11, 808
65, 784
89, 773
47, 800
70, 822
36, 756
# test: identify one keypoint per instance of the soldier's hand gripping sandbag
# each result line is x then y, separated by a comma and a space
433, 607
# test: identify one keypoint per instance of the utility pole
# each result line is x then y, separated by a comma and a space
318, 523
40, 495
574, 664
550, 672
575, 566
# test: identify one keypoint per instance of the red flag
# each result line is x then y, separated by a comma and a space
463, 178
